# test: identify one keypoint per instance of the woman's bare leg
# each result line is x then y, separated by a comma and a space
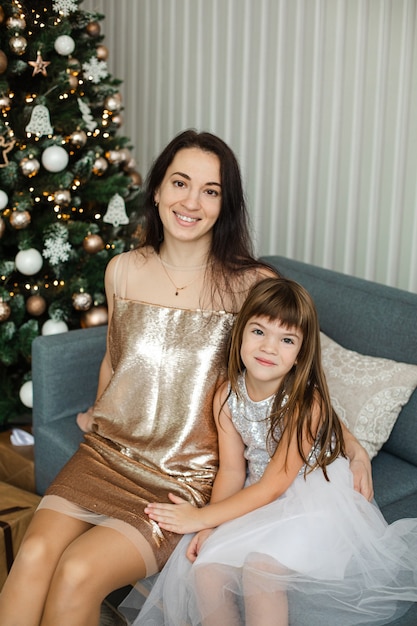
96, 563
23, 595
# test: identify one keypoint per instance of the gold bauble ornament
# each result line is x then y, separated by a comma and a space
3, 62
5, 311
100, 165
96, 316
16, 22
125, 155
73, 81
62, 197
93, 243
5, 103
93, 29
113, 102
114, 156
20, 219
18, 44
82, 301
78, 138
74, 65
2, 227
102, 53
136, 178
117, 120
36, 305
130, 166
29, 166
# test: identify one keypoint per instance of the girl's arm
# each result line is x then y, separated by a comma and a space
85, 420
182, 517
231, 475
360, 464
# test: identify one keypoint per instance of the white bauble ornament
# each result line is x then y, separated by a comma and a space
4, 199
54, 327
64, 45
28, 262
26, 394
55, 159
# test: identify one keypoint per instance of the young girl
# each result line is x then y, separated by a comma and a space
295, 543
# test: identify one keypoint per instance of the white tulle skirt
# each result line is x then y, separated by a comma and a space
319, 555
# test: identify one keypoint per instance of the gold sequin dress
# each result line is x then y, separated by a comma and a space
153, 426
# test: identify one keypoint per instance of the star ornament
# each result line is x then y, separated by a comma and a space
39, 66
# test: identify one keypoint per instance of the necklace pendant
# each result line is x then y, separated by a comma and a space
176, 293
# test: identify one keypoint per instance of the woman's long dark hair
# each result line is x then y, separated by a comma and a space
284, 300
231, 247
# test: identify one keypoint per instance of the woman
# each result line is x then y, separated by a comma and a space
171, 307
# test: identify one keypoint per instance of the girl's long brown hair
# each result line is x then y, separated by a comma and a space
284, 300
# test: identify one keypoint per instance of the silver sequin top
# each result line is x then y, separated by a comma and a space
251, 420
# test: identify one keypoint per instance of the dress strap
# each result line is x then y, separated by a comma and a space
120, 275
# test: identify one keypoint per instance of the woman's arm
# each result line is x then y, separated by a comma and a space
360, 464
280, 472
85, 420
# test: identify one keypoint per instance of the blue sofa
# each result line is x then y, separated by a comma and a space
360, 315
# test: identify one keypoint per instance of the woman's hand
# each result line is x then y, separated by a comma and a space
180, 517
196, 544
85, 420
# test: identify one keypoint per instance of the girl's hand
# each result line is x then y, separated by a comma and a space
180, 517
85, 420
196, 544
362, 476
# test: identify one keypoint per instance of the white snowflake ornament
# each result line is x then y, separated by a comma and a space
40, 123
95, 70
116, 211
64, 7
57, 248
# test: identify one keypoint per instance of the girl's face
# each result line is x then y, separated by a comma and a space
189, 197
269, 351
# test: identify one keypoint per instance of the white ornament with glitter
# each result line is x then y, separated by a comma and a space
40, 123
116, 211
64, 45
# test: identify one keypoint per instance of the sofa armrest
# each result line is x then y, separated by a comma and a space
65, 371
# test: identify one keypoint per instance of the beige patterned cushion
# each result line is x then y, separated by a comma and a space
366, 392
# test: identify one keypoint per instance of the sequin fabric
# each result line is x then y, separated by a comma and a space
251, 420
153, 426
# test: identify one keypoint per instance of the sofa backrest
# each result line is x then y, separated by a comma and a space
369, 318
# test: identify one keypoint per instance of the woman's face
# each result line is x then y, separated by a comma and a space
189, 197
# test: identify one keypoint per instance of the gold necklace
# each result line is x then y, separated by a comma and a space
178, 289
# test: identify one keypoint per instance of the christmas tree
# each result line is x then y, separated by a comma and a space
69, 187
